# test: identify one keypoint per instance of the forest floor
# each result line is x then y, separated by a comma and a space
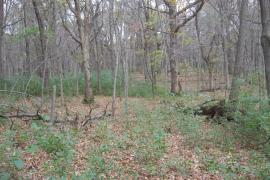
155, 140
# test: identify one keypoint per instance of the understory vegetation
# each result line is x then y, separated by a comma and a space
74, 85
135, 89
160, 137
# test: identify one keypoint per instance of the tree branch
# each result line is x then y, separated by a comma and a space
190, 17
153, 9
13, 23
188, 7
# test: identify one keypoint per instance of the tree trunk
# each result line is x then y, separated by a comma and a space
52, 114
222, 9
88, 93
225, 49
235, 87
26, 39
147, 35
42, 39
265, 39
206, 56
97, 57
115, 78
111, 30
174, 29
171, 50
52, 53
1, 36
125, 64
84, 31
211, 78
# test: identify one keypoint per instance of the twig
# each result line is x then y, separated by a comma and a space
97, 116
17, 92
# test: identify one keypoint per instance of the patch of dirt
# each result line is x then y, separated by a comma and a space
178, 149
34, 164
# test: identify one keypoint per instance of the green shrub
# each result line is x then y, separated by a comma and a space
253, 120
144, 89
52, 144
11, 160
58, 145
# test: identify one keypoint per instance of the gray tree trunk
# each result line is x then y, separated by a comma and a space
26, 39
42, 38
235, 87
265, 39
84, 31
171, 50
115, 78
111, 30
1, 36
174, 27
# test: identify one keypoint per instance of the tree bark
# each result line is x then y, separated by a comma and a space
1, 36
174, 27
26, 39
206, 56
111, 30
265, 39
97, 57
84, 31
42, 38
235, 87
224, 37
172, 46
115, 78
147, 36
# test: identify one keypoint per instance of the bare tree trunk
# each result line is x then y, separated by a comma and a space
126, 83
77, 80
111, 30
211, 78
235, 87
224, 51
97, 58
61, 85
26, 39
172, 49
206, 56
174, 29
1, 36
88, 94
42, 39
265, 39
52, 53
125, 64
147, 37
52, 114
222, 10
84, 31
115, 79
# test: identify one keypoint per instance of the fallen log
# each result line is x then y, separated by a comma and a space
34, 116
27, 116
215, 109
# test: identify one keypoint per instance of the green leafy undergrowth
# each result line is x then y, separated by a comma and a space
252, 125
74, 85
140, 143
59, 145
11, 156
